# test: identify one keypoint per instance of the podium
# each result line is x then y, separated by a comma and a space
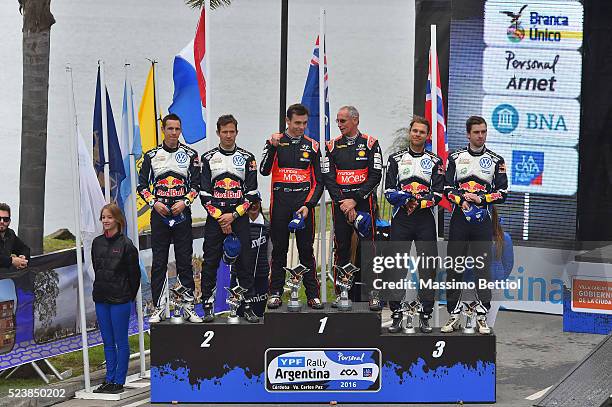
317, 356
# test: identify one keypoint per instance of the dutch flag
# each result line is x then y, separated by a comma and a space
189, 73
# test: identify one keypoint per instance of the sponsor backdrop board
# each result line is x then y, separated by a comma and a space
519, 66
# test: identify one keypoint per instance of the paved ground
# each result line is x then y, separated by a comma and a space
533, 354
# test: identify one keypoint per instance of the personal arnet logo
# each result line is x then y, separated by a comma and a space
515, 31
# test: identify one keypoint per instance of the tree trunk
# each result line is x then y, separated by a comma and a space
37, 21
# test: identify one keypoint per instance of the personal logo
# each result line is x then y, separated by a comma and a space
426, 164
485, 162
527, 167
505, 118
239, 160
181, 158
515, 31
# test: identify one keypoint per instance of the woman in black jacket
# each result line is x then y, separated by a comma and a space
117, 280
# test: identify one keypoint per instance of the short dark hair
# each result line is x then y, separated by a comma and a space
298, 109
5, 207
472, 120
225, 120
420, 120
170, 116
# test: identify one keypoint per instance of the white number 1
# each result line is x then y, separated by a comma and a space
323, 323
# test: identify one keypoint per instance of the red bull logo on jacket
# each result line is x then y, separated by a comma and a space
416, 188
227, 188
170, 187
472, 186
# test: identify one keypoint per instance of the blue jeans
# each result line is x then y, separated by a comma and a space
113, 320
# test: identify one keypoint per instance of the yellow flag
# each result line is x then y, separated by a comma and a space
148, 124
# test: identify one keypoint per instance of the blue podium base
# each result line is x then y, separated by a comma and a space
317, 356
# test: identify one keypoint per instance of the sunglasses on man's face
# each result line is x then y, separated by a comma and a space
6, 219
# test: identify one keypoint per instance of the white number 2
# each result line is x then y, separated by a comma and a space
208, 335
439, 349
323, 323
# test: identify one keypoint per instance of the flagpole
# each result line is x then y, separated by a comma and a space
76, 196
433, 73
283, 65
433, 61
107, 185
322, 140
155, 103
209, 126
134, 214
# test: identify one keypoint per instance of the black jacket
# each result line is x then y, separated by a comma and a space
116, 267
5, 261
12, 244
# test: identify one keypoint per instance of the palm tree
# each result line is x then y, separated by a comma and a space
37, 22
213, 3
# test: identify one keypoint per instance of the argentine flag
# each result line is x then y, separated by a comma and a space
189, 100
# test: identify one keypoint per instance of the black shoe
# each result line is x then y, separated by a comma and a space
114, 388
315, 303
375, 304
396, 325
209, 313
274, 301
249, 315
102, 387
424, 323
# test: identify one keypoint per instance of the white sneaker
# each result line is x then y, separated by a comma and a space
483, 327
158, 315
190, 314
453, 324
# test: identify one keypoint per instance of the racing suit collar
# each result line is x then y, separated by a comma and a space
292, 138
414, 153
353, 139
169, 149
477, 153
228, 152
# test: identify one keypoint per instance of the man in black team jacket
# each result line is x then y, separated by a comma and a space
475, 179
293, 159
168, 182
352, 170
413, 186
228, 186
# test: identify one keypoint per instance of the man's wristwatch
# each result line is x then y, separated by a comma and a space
235, 215
187, 202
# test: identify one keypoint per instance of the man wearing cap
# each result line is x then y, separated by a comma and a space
168, 181
228, 186
352, 170
475, 179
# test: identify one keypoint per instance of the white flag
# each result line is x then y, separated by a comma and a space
92, 202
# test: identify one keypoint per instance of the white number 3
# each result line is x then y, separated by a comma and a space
439, 349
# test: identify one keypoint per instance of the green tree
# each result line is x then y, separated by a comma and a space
46, 291
37, 22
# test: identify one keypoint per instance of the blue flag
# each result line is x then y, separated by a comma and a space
310, 99
117, 172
